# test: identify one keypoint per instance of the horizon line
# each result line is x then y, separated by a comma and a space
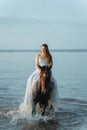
37, 50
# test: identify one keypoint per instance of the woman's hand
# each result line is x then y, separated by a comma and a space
39, 71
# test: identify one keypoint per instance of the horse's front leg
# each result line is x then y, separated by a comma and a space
33, 108
50, 103
43, 111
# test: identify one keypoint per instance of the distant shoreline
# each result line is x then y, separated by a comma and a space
36, 50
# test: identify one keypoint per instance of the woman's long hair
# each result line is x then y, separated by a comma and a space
46, 47
48, 55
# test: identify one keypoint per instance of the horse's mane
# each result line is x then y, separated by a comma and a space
44, 79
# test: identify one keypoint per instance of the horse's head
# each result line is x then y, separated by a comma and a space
44, 79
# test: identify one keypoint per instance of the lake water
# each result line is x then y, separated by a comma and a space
70, 70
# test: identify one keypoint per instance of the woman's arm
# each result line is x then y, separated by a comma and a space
37, 63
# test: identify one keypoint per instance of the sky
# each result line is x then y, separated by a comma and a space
26, 24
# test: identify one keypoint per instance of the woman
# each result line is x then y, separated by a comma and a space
44, 58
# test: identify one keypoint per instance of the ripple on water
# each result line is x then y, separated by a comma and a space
71, 115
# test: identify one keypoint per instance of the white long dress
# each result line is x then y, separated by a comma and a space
30, 83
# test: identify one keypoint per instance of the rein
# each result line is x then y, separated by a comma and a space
44, 68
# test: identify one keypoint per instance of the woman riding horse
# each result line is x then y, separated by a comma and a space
43, 61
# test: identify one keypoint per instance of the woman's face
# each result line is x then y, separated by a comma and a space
43, 49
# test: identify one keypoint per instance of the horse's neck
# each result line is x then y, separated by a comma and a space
36, 85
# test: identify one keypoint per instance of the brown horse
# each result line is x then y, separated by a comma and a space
42, 91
